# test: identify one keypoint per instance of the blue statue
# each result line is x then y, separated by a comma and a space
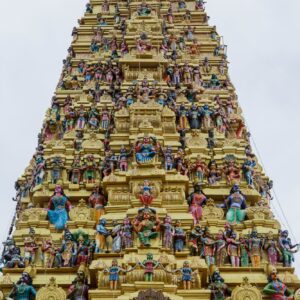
248, 171
145, 151
58, 208
23, 289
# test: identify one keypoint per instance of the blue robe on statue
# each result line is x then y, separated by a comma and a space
59, 215
145, 153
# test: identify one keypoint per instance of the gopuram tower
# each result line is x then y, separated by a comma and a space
144, 184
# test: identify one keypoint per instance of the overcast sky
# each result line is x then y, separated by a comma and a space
263, 41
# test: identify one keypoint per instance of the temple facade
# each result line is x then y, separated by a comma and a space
144, 184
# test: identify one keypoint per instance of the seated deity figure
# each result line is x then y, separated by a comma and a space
145, 151
144, 9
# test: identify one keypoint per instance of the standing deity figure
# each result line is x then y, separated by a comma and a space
232, 172
213, 173
145, 151
101, 235
244, 251
287, 248
187, 274
272, 248
182, 114
220, 249
147, 228
145, 196
206, 115
23, 289
68, 251
168, 159
277, 289
234, 250
127, 234
236, 205
79, 289
149, 265
97, 201
248, 171
194, 117
83, 250
89, 167
58, 208
93, 117
168, 232
57, 165
218, 287
116, 234
179, 237
113, 272
105, 118
30, 249
208, 247
255, 247
195, 244
200, 168
196, 200
123, 159
81, 119
48, 255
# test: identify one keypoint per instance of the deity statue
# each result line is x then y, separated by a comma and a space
48, 255
187, 274
206, 116
127, 234
236, 205
182, 114
83, 248
30, 249
244, 251
195, 241
200, 168
145, 151
168, 232
89, 167
123, 159
220, 249
79, 288
272, 248
168, 158
213, 174
145, 196
144, 9
114, 271
101, 235
12, 255
255, 247
231, 171
196, 200
75, 173
68, 251
23, 289
149, 265
147, 228
287, 248
93, 116
58, 208
179, 237
97, 201
219, 290
234, 250
277, 289
248, 171
208, 247
194, 117
116, 234
105, 117
57, 165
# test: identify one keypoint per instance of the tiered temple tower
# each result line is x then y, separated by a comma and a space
144, 184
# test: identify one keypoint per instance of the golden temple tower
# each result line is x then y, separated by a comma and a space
144, 184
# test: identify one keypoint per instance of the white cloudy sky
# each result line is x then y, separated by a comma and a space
263, 40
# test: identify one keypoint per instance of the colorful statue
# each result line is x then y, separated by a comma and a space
233, 250
30, 249
236, 205
89, 167
79, 288
23, 289
206, 116
196, 234
147, 228
149, 265
187, 273
168, 232
232, 172
58, 208
145, 151
248, 171
12, 255
145, 197
287, 248
97, 201
272, 248
48, 251
116, 234
83, 248
194, 117
75, 173
219, 290
127, 234
213, 173
277, 289
244, 251
208, 247
255, 247
67, 255
196, 200
220, 249
200, 168
144, 9
179, 237
101, 235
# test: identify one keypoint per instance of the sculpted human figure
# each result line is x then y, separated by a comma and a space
58, 208
168, 232
23, 289
101, 235
218, 287
255, 247
272, 247
220, 249
179, 237
79, 288
145, 151
97, 201
287, 248
149, 265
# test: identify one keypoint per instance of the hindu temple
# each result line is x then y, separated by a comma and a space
144, 184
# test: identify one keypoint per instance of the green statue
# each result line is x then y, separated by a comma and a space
149, 265
23, 289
